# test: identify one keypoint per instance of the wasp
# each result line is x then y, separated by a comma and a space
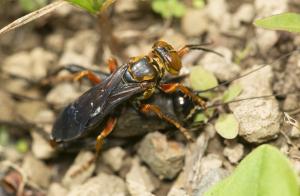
135, 82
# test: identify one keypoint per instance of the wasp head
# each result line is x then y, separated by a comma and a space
168, 56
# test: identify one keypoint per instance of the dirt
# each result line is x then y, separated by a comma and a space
142, 165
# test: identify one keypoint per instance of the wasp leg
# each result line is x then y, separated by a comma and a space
76, 71
112, 64
153, 108
170, 88
105, 132
89, 74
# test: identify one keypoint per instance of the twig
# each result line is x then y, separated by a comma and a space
32, 16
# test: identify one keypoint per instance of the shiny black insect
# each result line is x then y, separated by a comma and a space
134, 83
133, 124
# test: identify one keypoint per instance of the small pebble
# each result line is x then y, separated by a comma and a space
234, 153
37, 171
55, 42
30, 109
209, 162
265, 39
19, 64
31, 65
220, 6
62, 94
56, 189
211, 178
126, 6
82, 168
245, 13
195, 22
164, 158
41, 147
139, 181
114, 158
222, 67
7, 105
259, 119
80, 49
176, 39
102, 184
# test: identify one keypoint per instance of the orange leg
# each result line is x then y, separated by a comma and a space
105, 132
170, 88
89, 74
153, 108
112, 64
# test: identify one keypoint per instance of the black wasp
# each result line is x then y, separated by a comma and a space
136, 81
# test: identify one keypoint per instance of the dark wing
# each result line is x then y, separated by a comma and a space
90, 109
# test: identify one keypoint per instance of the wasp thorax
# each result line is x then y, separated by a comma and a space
168, 56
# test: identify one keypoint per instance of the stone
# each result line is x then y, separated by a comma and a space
259, 119
40, 147
245, 13
210, 179
7, 105
55, 42
139, 180
222, 67
19, 64
102, 184
291, 102
265, 39
164, 158
62, 94
195, 22
114, 158
56, 189
31, 65
42, 60
176, 39
126, 6
188, 180
210, 161
216, 9
234, 153
29, 110
271, 7
80, 49
82, 168
37, 171
178, 188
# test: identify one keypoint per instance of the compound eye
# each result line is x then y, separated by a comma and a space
174, 64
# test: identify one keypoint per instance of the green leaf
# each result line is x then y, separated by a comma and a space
264, 172
200, 118
227, 126
92, 6
4, 136
31, 5
231, 93
202, 79
22, 146
198, 3
286, 22
203, 116
168, 8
